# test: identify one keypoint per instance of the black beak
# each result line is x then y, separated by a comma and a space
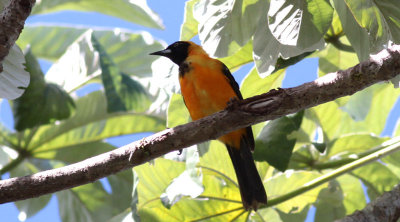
165, 52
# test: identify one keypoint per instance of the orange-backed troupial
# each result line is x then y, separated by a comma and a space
207, 86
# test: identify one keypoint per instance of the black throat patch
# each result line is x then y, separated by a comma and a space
184, 68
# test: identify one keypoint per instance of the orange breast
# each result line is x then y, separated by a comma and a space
206, 90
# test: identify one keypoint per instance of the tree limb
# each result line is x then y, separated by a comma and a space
383, 208
239, 114
12, 20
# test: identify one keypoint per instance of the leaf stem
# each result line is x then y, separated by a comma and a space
395, 146
11, 165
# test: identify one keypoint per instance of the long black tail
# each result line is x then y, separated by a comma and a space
250, 184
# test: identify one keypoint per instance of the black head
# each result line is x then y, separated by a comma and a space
177, 52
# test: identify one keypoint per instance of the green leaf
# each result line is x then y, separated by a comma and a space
377, 178
122, 92
189, 25
267, 50
91, 122
294, 217
53, 44
342, 197
121, 188
335, 122
358, 37
243, 56
329, 205
253, 84
42, 102
89, 202
74, 153
299, 23
14, 78
375, 17
177, 112
225, 26
265, 214
188, 183
332, 59
153, 180
353, 193
80, 63
353, 144
283, 183
136, 12
274, 143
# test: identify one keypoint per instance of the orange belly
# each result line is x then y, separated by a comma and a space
206, 90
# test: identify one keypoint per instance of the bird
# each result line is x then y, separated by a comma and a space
207, 87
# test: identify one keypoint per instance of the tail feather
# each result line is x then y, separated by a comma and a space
251, 187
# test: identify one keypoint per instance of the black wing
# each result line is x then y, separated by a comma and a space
232, 80
249, 133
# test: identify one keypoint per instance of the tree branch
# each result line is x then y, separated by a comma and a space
239, 114
12, 20
383, 208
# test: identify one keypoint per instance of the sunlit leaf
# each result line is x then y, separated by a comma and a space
377, 178
283, 183
80, 63
353, 144
225, 26
358, 37
132, 11
91, 122
177, 112
267, 50
189, 25
299, 23
14, 79
253, 84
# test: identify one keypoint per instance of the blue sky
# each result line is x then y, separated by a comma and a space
172, 14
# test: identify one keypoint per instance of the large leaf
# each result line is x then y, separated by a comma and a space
91, 122
275, 142
358, 37
122, 92
189, 25
225, 26
89, 202
239, 58
253, 84
299, 23
283, 183
377, 178
219, 201
332, 59
353, 144
74, 153
80, 63
267, 50
342, 197
132, 11
14, 79
51, 45
336, 122
177, 112
42, 102
380, 19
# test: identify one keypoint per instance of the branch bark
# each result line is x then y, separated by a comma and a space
12, 20
383, 208
239, 114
